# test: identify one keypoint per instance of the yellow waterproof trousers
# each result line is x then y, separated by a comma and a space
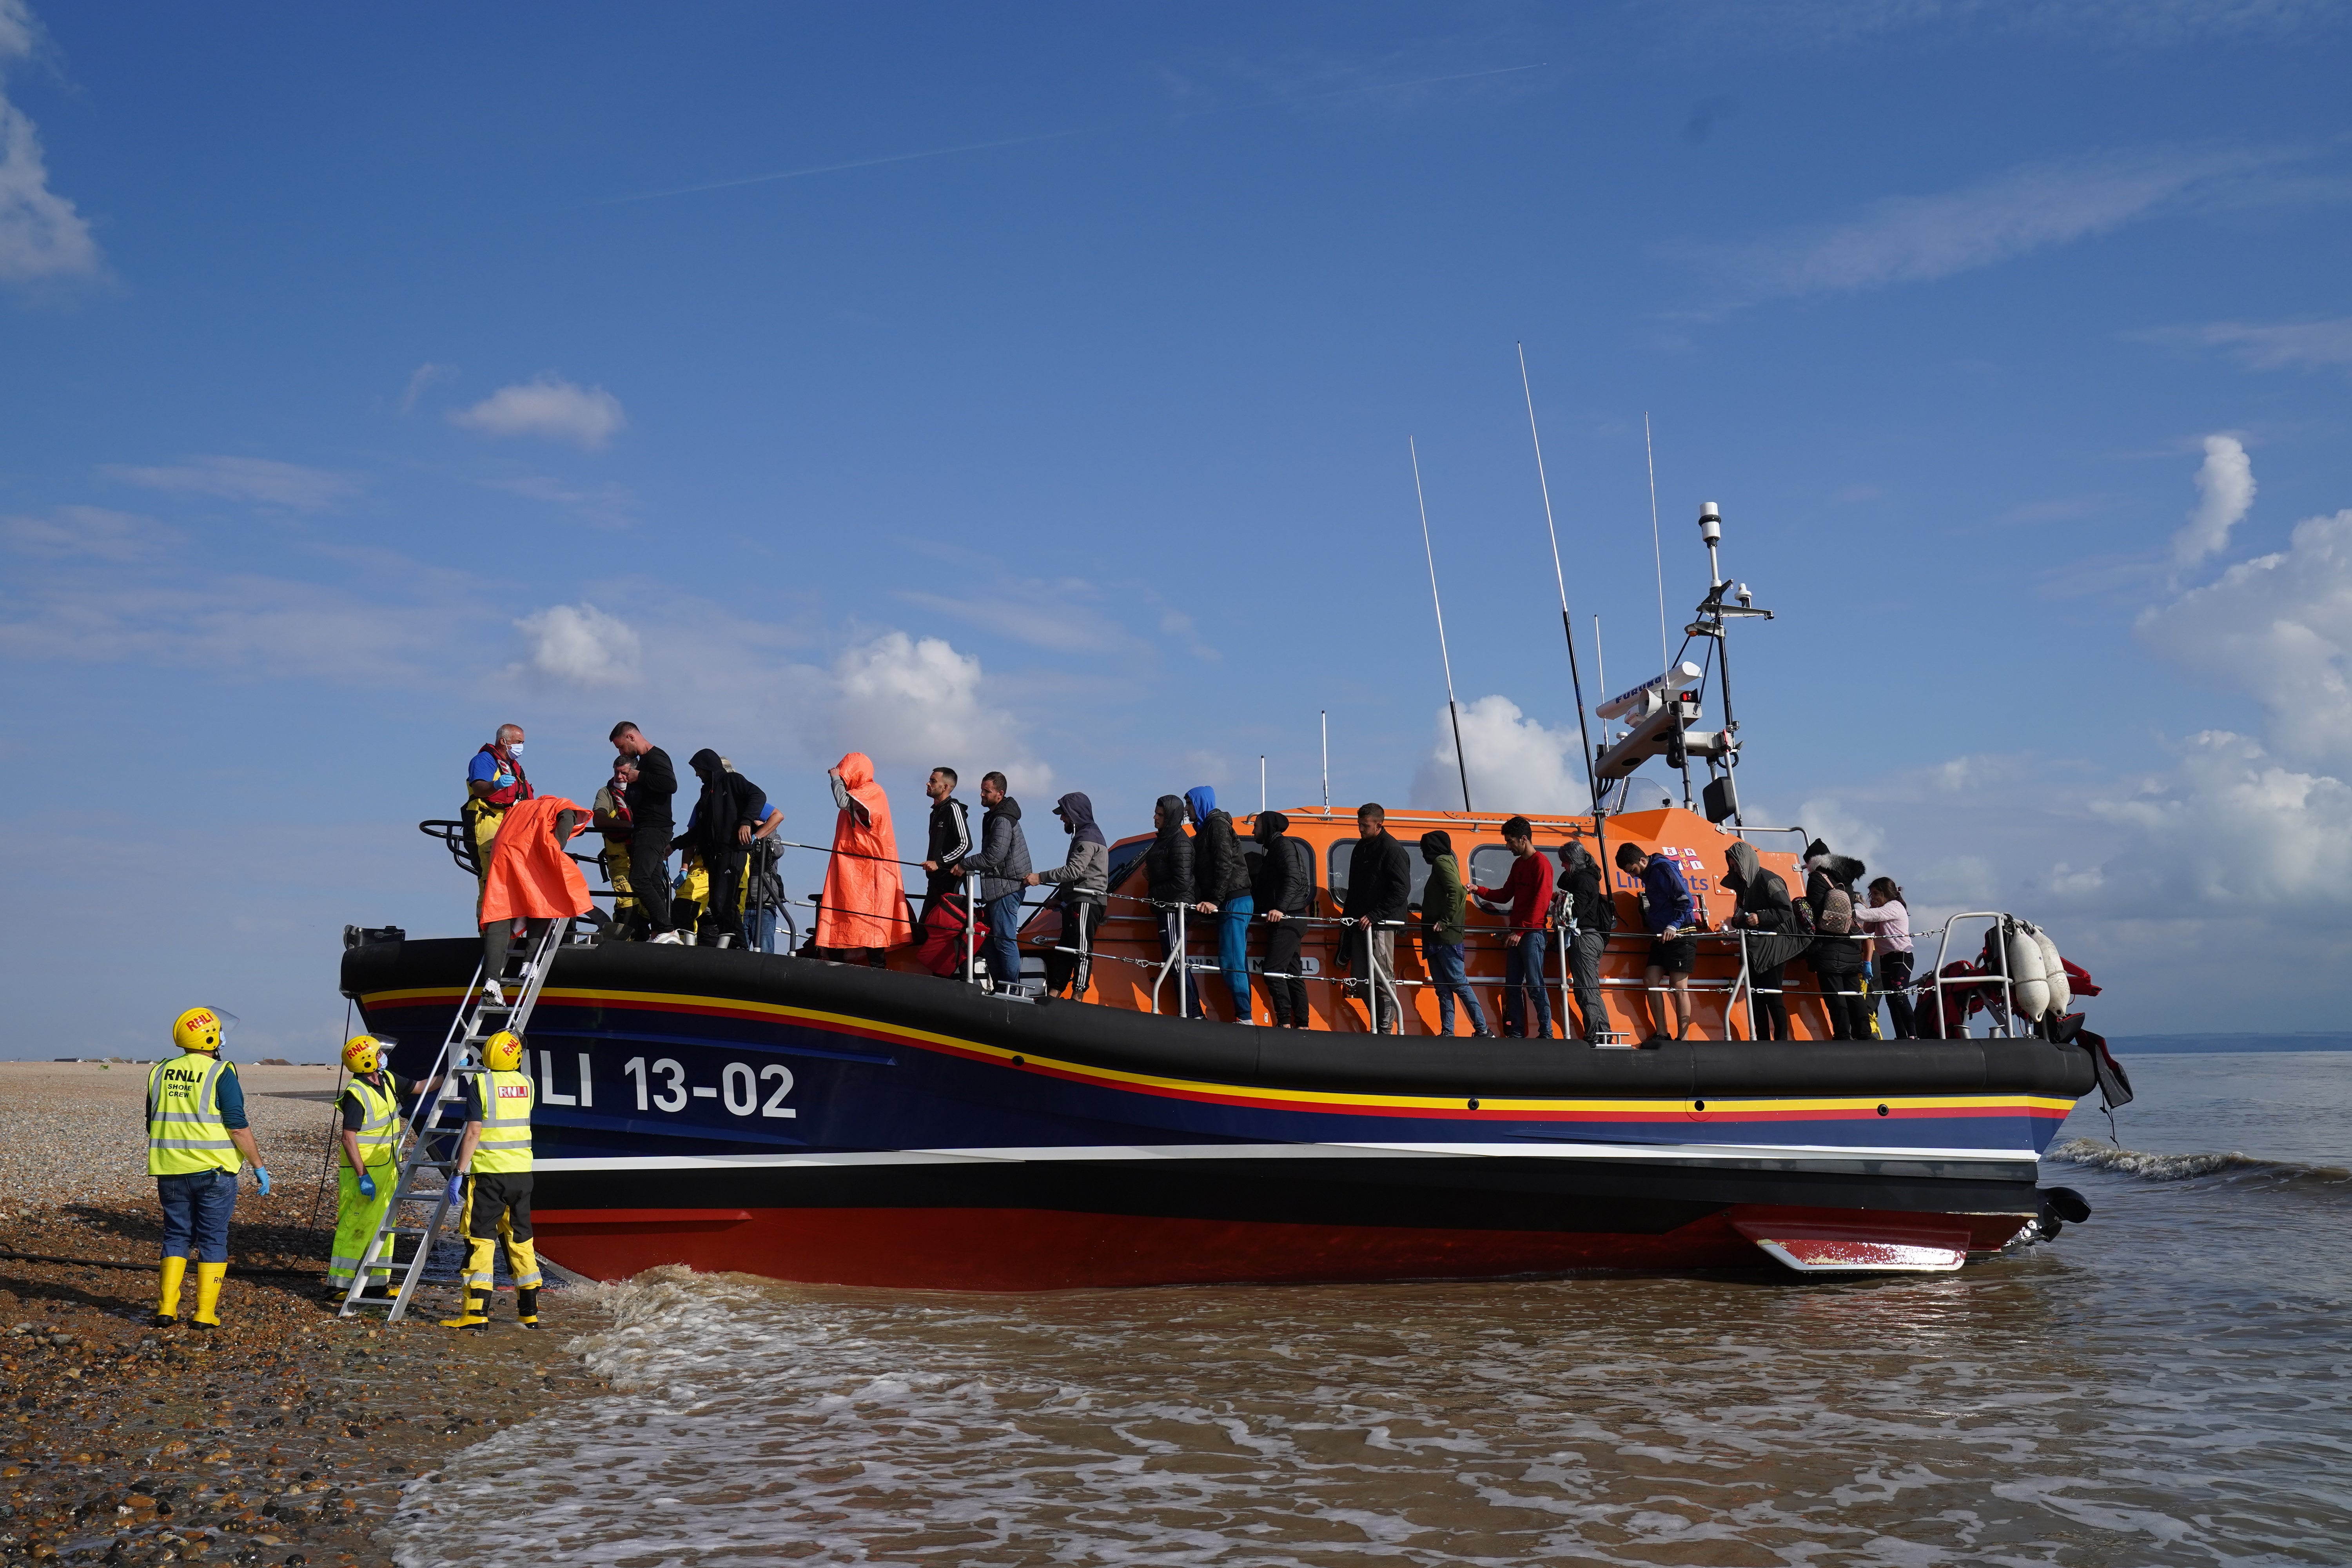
356, 1218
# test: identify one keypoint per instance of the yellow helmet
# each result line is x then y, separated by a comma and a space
502, 1052
363, 1053
197, 1029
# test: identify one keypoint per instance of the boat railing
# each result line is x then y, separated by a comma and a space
2004, 1015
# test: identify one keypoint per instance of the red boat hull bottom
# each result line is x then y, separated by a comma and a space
1053, 1250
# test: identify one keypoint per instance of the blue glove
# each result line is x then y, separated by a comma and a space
367, 1186
261, 1174
456, 1190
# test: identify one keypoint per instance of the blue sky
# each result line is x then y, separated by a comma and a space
1031, 389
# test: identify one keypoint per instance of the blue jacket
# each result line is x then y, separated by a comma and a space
1668, 903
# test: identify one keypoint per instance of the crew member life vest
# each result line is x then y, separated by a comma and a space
186, 1134
502, 798
504, 1148
378, 1129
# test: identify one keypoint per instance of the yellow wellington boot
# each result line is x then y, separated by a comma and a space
524, 1257
480, 1254
208, 1286
167, 1299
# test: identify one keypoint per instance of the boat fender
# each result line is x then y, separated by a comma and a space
2030, 992
2066, 1204
2053, 973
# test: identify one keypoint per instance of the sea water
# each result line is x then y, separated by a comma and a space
2166, 1384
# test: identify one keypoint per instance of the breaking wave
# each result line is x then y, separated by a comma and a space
2231, 1165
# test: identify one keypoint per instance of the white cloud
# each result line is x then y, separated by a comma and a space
1516, 763
911, 704
88, 531
422, 376
2225, 492
1908, 239
41, 233
2281, 345
261, 480
547, 405
582, 645
2277, 627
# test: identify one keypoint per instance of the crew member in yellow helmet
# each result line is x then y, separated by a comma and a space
369, 1109
197, 1141
495, 1157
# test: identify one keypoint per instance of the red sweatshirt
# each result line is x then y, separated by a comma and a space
1528, 889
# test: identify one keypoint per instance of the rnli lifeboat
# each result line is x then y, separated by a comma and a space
819, 1121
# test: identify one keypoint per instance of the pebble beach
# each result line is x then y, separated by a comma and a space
287, 1434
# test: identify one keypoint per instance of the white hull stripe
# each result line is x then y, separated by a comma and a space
1810, 1154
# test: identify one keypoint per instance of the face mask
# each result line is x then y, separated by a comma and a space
515, 750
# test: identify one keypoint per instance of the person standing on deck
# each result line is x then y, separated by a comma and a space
494, 781
1592, 915
1889, 921
197, 1141
1528, 892
651, 814
1168, 874
731, 812
1673, 951
1443, 907
610, 815
1002, 867
950, 840
1221, 881
1084, 877
1379, 895
1284, 892
864, 909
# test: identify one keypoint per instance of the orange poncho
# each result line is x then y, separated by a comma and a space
865, 897
532, 876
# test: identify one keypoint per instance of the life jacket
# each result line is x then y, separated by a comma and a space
518, 790
504, 1148
378, 1129
185, 1133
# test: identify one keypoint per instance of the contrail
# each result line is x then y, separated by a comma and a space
833, 168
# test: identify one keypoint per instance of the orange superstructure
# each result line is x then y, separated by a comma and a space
1127, 970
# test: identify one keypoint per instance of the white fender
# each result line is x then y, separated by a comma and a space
2053, 972
2029, 991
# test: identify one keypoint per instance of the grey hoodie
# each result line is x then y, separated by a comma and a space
1089, 866
1002, 862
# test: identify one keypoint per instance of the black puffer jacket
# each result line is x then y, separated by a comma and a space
1168, 864
1219, 869
1380, 879
1285, 872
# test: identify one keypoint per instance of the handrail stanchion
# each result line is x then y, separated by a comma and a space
1746, 980
971, 928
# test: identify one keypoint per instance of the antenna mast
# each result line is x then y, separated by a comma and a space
1566, 623
1657, 552
1459, 762
1327, 761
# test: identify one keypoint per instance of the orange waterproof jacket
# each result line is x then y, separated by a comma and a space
531, 874
865, 896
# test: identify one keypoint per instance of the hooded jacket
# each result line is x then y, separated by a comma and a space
1219, 869
1087, 869
1829, 893
728, 800
865, 896
1002, 862
1168, 864
1774, 940
531, 874
1285, 872
1579, 879
1443, 897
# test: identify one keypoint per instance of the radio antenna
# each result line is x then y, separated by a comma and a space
1567, 623
1327, 761
1261, 783
1459, 762
1657, 552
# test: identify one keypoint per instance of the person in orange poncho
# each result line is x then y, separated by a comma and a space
530, 876
864, 906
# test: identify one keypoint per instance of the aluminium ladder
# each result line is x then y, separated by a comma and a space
433, 1153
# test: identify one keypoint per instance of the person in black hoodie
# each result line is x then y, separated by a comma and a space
1284, 892
1221, 882
1168, 872
1594, 915
1379, 895
719, 832
651, 823
1836, 955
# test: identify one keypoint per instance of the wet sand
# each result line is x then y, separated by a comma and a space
287, 1435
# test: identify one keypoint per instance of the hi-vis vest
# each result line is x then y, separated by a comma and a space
378, 1129
505, 1146
185, 1133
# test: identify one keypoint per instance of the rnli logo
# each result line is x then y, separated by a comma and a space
200, 1019
183, 1075
513, 1092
